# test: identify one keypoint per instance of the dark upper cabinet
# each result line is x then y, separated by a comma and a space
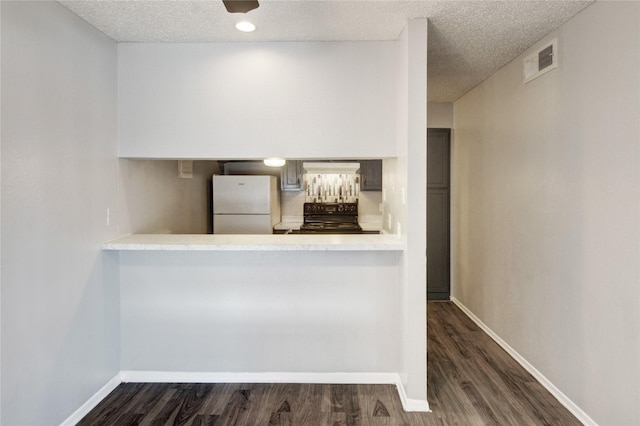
291, 176
371, 175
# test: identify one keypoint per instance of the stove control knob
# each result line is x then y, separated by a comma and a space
341, 208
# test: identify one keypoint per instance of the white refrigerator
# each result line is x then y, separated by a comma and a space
245, 204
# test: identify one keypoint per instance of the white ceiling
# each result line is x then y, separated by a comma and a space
468, 40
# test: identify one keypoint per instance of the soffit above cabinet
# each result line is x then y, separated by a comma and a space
238, 101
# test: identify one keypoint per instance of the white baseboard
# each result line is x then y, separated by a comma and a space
561, 397
92, 402
409, 404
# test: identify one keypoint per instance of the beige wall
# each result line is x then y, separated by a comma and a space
440, 115
154, 199
545, 211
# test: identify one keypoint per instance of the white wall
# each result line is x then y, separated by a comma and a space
60, 320
306, 312
154, 199
404, 198
440, 115
257, 100
545, 211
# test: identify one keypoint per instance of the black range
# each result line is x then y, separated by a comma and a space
330, 218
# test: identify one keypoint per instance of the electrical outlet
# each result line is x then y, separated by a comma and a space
389, 221
398, 229
381, 207
403, 195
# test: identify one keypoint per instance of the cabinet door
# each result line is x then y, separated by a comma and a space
371, 175
438, 263
291, 176
438, 211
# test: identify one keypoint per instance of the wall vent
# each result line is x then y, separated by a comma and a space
541, 61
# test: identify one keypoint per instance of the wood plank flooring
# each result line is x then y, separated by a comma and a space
471, 381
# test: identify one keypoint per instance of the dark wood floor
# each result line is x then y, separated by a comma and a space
471, 381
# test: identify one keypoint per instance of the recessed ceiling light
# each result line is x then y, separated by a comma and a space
274, 162
245, 26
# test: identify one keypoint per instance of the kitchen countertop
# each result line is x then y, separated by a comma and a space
284, 226
266, 242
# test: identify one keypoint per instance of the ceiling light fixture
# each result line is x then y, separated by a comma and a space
274, 162
240, 6
245, 26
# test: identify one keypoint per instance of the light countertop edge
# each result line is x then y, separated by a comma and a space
267, 242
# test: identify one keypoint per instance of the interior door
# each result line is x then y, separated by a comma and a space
438, 232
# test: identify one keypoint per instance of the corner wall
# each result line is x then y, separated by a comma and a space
545, 211
405, 190
60, 319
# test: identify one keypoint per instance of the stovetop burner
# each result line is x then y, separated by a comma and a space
331, 218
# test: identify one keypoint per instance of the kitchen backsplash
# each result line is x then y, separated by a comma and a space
331, 188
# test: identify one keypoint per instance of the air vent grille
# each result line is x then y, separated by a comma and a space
541, 61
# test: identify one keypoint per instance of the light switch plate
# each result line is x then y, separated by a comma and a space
185, 169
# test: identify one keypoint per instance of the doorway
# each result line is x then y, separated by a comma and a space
438, 226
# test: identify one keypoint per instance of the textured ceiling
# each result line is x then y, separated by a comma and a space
468, 40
